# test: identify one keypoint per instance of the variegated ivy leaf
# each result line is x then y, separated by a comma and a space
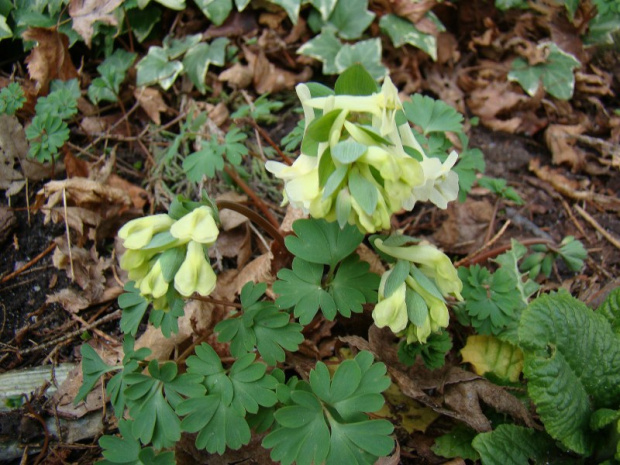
556, 73
200, 56
351, 18
5, 30
325, 7
291, 7
324, 48
366, 53
404, 32
216, 10
155, 68
172, 4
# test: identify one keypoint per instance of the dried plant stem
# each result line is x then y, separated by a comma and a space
250, 214
51, 247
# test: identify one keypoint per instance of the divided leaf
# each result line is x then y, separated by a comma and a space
432, 115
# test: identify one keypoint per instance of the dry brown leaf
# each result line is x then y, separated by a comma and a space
561, 141
268, 78
446, 87
95, 125
13, 146
368, 255
492, 99
86, 12
50, 58
218, 113
258, 270
152, 102
464, 230
139, 196
292, 214
8, 221
230, 219
237, 76
413, 11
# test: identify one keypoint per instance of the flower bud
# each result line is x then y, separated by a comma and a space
391, 311
198, 226
195, 273
154, 283
139, 232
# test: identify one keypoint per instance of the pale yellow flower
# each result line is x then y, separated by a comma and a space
154, 283
198, 226
391, 311
139, 232
441, 183
301, 180
195, 273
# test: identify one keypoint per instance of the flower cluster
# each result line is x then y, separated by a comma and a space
416, 303
355, 165
161, 250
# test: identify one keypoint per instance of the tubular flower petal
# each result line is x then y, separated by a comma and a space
132, 259
437, 310
139, 232
301, 180
195, 273
154, 283
442, 184
391, 311
433, 263
198, 226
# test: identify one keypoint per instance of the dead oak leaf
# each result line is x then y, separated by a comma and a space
50, 58
86, 12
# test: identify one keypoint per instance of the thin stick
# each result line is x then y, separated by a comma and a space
29, 264
270, 141
586, 216
257, 201
501, 249
485, 246
250, 214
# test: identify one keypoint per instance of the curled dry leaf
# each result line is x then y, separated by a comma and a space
413, 11
50, 58
464, 229
86, 12
151, 101
561, 140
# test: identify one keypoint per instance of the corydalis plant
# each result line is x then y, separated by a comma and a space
170, 248
358, 165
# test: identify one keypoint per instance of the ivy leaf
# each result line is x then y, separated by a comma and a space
324, 47
319, 241
112, 74
304, 434
218, 418
351, 18
556, 73
216, 10
402, 32
432, 115
127, 450
262, 326
560, 338
325, 7
199, 57
457, 443
366, 53
514, 445
300, 287
291, 7
155, 68
134, 306
433, 351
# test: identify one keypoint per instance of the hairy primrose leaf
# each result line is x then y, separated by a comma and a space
305, 434
610, 309
219, 417
560, 338
151, 401
318, 241
262, 326
432, 115
127, 449
515, 445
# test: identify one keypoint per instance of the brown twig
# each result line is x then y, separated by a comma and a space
51, 247
257, 201
586, 216
270, 141
250, 214
499, 250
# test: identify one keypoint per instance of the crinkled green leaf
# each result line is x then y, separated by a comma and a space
155, 68
516, 445
457, 443
432, 115
572, 364
489, 354
366, 53
556, 73
319, 241
402, 32
610, 309
11, 98
262, 326
351, 18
